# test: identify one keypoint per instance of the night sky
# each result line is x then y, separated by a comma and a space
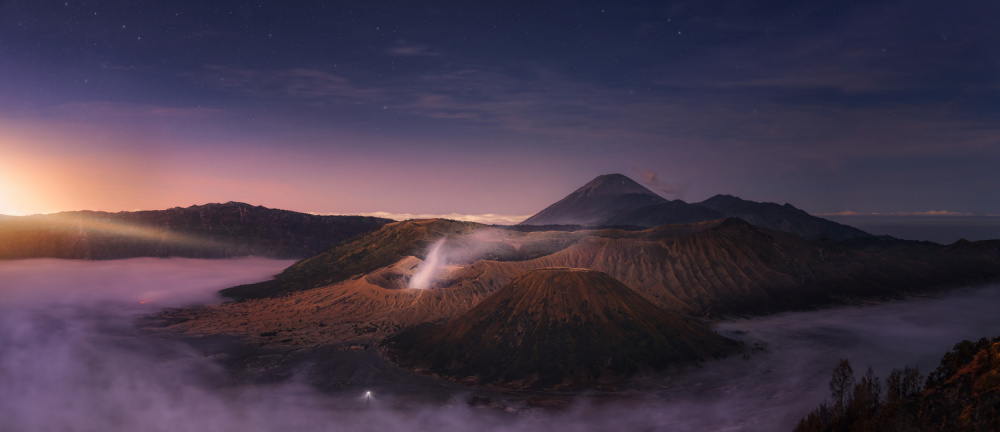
497, 108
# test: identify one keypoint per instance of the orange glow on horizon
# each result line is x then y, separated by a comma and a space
52, 168
15, 190
48, 169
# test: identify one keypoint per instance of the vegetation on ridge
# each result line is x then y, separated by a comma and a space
962, 394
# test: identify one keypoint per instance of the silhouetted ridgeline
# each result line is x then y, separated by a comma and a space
962, 394
205, 231
614, 200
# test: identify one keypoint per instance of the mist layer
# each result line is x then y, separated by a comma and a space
71, 359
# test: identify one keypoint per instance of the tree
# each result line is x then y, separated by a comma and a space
863, 410
902, 384
841, 384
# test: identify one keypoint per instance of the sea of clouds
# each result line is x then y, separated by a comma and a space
71, 359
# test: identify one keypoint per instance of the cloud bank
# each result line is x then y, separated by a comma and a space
488, 219
913, 213
71, 359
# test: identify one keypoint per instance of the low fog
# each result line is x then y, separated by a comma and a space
71, 359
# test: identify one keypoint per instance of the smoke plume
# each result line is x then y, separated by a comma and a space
650, 178
429, 268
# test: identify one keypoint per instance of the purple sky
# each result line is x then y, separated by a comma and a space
459, 107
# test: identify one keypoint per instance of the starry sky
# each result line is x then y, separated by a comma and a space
458, 107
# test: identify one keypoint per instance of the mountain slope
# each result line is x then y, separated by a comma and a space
728, 267
595, 202
670, 212
707, 269
363, 255
398, 241
205, 231
558, 327
785, 218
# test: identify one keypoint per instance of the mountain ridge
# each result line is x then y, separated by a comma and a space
198, 231
615, 200
709, 270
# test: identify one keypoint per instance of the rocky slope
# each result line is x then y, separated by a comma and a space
707, 269
557, 328
206, 231
405, 241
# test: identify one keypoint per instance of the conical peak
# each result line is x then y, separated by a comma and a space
613, 184
596, 201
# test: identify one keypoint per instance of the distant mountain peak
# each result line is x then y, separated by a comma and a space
616, 200
596, 201
723, 199
613, 184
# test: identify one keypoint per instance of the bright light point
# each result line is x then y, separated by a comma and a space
7, 198
368, 393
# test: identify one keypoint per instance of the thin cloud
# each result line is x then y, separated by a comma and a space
489, 218
916, 213
846, 213
650, 178
537, 102
931, 213
295, 83
404, 48
116, 109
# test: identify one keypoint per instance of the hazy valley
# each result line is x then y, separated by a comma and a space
679, 311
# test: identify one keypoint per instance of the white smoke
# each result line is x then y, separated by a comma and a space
429, 268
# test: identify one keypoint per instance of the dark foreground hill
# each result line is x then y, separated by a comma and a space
205, 231
557, 327
614, 200
962, 394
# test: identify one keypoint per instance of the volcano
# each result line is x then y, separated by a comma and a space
596, 201
707, 269
557, 328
